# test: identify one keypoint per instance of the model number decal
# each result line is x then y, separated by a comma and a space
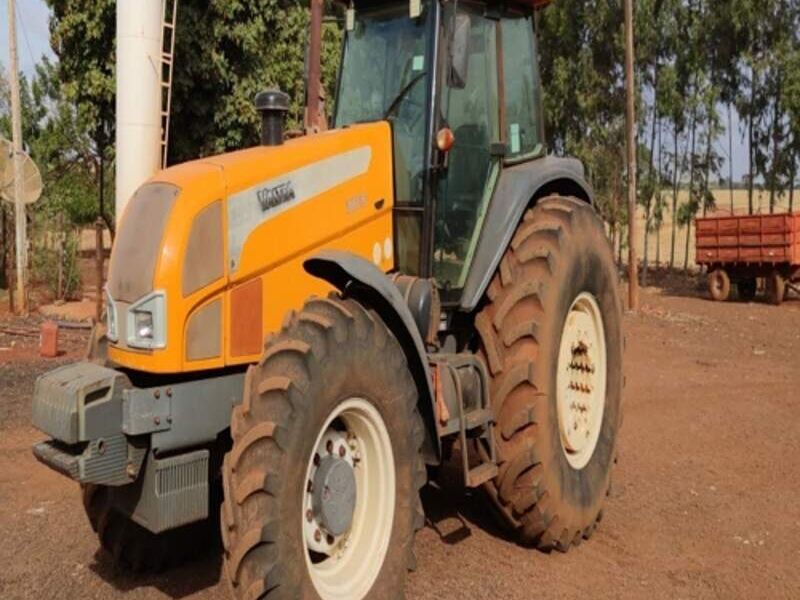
270, 197
250, 207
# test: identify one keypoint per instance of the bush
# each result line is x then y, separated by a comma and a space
55, 265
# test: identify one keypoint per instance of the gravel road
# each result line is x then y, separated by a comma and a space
704, 503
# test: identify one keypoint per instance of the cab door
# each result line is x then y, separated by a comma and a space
469, 106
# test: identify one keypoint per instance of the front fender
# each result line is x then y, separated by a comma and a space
362, 280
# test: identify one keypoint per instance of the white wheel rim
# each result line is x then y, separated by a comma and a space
581, 380
346, 566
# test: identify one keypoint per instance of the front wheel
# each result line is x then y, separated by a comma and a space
551, 332
134, 548
322, 483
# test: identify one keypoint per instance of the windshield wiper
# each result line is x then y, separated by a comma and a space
402, 94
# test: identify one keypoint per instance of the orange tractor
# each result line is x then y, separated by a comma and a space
296, 330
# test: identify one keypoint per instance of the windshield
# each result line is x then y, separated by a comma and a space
385, 66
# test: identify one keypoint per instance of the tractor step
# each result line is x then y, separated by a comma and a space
477, 418
462, 388
480, 474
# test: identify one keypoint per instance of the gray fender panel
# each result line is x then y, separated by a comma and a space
515, 188
362, 280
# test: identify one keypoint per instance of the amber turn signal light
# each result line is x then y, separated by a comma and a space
445, 139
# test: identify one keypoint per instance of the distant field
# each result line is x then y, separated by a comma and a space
760, 205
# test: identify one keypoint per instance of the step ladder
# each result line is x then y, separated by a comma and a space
168, 22
470, 422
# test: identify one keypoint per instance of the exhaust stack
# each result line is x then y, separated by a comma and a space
139, 40
272, 105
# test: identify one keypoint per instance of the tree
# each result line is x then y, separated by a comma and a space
581, 49
82, 37
226, 52
58, 142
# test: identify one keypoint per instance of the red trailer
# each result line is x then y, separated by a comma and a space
740, 249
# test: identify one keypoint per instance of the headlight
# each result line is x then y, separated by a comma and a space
147, 327
111, 318
143, 325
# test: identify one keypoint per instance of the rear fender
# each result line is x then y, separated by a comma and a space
518, 188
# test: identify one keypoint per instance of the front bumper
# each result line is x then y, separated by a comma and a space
80, 406
151, 446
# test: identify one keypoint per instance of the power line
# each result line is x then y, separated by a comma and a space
25, 34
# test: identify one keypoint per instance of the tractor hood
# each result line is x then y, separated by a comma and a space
201, 228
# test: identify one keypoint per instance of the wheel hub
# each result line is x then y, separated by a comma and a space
581, 386
331, 492
334, 494
348, 501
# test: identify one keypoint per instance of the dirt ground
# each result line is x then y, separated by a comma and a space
704, 504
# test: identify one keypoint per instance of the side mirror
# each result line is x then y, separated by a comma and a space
459, 52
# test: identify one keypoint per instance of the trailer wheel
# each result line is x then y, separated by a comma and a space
551, 335
322, 483
776, 288
747, 289
719, 285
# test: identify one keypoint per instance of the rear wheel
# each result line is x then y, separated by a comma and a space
719, 285
776, 288
747, 289
322, 484
551, 334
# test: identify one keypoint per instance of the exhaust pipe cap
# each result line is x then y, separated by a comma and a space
273, 105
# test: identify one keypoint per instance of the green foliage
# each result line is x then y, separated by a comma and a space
58, 141
55, 263
581, 49
226, 52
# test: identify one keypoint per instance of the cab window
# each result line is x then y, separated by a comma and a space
521, 82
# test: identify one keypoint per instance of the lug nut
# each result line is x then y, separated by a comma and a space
329, 446
310, 487
341, 451
317, 535
309, 515
157, 420
157, 394
316, 460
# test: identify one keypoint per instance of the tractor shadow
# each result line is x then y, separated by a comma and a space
453, 510
178, 582
190, 578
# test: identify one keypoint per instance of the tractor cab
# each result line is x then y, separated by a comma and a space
459, 83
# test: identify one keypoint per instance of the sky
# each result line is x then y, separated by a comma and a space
33, 36
33, 42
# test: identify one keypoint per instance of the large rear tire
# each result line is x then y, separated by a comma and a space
331, 398
551, 334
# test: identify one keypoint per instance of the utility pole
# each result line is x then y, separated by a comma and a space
730, 154
630, 126
16, 134
314, 84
